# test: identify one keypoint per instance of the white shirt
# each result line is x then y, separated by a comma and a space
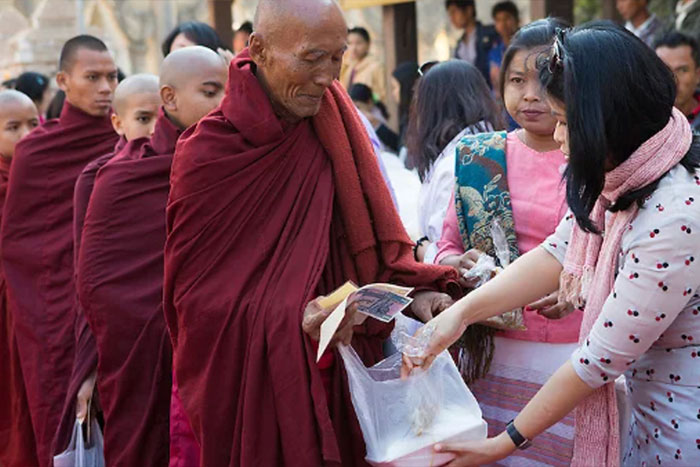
466, 49
437, 189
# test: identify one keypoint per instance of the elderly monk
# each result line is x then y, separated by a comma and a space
120, 266
136, 104
37, 228
276, 199
18, 117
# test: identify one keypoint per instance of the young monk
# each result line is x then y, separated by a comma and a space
37, 228
120, 266
276, 198
18, 117
136, 104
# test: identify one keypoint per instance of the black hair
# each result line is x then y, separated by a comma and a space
450, 97
362, 32
537, 34
71, 47
32, 84
618, 94
506, 7
246, 27
56, 105
196, 31
9, 83
407, 75
461, 4
676, 39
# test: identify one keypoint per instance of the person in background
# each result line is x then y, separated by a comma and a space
506, 21
452, 100
240, 37
375, 112
360, 67
477, 41
192, 33
56, 105
8, 84
681, 54
514, 178
688, 18
37, 87
639, 21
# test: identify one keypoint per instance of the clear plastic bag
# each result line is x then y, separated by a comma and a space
401, 420
82, 453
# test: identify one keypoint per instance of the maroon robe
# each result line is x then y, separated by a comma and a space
120, 286
85, 359
37, 256
262, 218
17, 445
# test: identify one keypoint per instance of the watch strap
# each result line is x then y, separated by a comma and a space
518, 439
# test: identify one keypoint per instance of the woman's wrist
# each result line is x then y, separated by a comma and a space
504, 445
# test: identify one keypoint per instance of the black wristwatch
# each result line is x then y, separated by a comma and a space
519, 440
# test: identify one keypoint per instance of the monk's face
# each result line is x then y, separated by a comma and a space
89, 82
138, 117
298, 62
17, 119
196, 95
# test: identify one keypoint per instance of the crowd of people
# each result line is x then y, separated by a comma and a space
166, 241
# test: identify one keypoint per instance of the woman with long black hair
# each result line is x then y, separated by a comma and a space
627, 253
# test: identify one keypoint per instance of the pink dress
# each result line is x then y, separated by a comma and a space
524, 360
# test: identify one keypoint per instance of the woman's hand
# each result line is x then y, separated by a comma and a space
426, 304
84, 397
445, 330
482, 452
463, 264
551, 308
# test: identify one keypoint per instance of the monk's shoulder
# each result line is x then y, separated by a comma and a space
213, 131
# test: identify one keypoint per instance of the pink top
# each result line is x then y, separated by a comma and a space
538, 196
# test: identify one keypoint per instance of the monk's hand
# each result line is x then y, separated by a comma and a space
466, 262
481, 452
443, 331
314, 316
85, 396
550, 307
428, 304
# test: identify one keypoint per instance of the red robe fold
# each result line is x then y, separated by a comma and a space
85, 359
37, 256
120, 286
17, 446
262, 219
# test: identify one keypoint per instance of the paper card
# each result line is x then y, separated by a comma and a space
330, 326
340, 294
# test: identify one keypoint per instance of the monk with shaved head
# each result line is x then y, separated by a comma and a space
37, 228
18, 117
276, 199
136, 104
120, 265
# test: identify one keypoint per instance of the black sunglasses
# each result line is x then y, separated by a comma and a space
557, 58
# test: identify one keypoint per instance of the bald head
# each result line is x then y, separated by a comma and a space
18, 116
298, 47
192, 82
132, 87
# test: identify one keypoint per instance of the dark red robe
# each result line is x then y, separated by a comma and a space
85, 359
120, 286
262, 218
37, 256
17, 446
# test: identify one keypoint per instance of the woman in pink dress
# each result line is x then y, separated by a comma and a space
530, 203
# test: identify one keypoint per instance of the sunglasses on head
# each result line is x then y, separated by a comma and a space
557, 58
424, 68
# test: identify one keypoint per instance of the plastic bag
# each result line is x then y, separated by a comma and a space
82, 453
486, 268
401, 420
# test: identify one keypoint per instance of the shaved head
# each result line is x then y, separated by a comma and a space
11, 99
18, 117
189, 63
72, 46
134, 85
298, 47
192, 83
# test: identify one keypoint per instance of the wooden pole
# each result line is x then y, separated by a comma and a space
558, 8
400, 45
221, 19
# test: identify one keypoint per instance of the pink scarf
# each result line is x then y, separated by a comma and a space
589, 275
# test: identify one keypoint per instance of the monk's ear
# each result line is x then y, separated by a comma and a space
61, 80
256, 48
117, 124
169, 98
